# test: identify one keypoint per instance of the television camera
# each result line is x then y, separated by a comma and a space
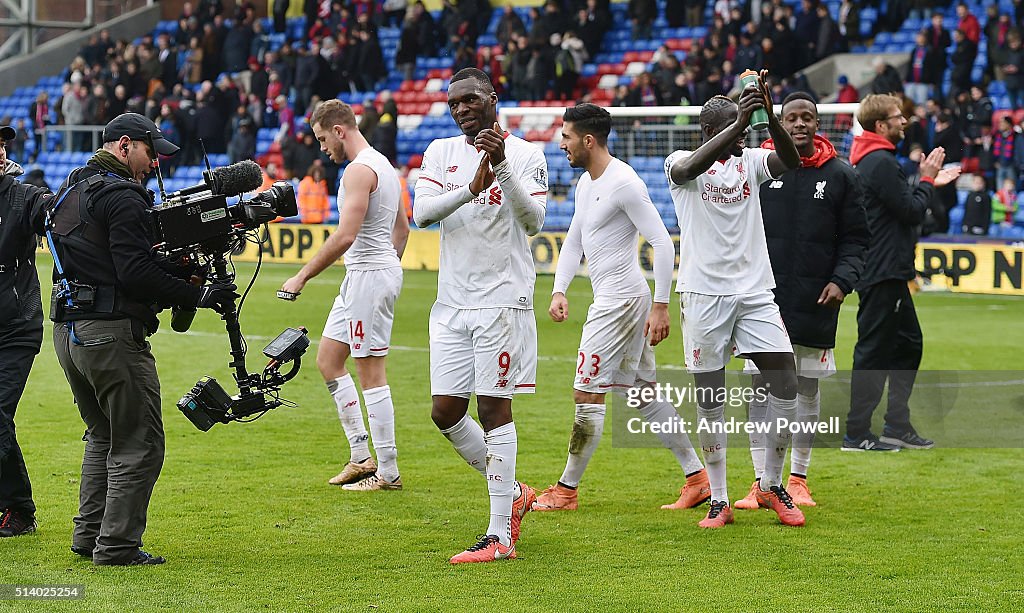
198, 225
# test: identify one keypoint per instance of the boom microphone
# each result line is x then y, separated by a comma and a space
234, 180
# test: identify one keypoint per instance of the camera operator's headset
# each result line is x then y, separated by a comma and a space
65, 287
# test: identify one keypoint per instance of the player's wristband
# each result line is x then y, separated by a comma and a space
929, 180
283, 295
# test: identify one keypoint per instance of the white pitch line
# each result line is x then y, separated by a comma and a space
554, 358
312, 341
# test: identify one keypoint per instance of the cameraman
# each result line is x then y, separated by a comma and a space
21, 332
115, 286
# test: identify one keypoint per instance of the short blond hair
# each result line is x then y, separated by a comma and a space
876, 107
330, 113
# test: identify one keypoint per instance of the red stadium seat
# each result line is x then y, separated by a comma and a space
679, 44
439, 73
637, 56
997, 116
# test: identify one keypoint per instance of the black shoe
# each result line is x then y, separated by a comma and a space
141, 559
85, 552
16, 523
868, 442
907, 440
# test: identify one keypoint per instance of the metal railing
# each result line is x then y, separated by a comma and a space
22, 29
75, 138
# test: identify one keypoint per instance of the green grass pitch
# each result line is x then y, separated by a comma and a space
247, 521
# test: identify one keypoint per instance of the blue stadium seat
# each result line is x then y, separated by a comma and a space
956, 217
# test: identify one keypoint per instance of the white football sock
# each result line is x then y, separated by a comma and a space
380, 412
777, 441
672, 434
587, 428
713, 445
502, 445
757, 412
808, 409
468, 439
351, 415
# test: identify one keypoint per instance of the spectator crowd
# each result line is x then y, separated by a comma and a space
219, 79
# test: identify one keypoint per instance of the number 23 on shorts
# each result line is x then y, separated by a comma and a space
595, 366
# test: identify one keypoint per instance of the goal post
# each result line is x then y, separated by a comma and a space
643, 137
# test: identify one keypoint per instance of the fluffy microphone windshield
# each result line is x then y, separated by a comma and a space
236, 179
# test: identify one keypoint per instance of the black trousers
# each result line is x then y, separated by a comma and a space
114, 379
889, 347
15, 488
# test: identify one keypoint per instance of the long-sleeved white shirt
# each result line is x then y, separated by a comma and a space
611, 212
485, 254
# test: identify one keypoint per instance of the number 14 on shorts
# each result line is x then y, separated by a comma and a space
355, 330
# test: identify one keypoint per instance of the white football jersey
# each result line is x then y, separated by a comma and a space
485, 253
722, 249
373, 248
609, 212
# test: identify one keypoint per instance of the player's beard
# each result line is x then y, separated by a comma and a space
578, 160
338, 152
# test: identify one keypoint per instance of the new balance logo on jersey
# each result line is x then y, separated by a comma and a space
775, 185
452, 168
502, 383
819, 190
351, 404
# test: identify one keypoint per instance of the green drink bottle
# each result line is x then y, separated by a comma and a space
759, 120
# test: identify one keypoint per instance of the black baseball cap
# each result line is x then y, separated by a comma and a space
135, 126
7, 133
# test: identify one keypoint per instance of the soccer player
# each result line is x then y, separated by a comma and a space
612, 209
371, 235
817, 232
488, 189
725, 283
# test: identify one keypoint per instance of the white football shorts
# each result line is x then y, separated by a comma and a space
614, 353
490, 351
716, 327
364, 311
811, 363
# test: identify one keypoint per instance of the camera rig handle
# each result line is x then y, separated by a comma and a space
230, 317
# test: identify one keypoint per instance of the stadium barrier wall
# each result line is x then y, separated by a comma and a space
979, 268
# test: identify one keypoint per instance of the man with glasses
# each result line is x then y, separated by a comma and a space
889, 341
108, 288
